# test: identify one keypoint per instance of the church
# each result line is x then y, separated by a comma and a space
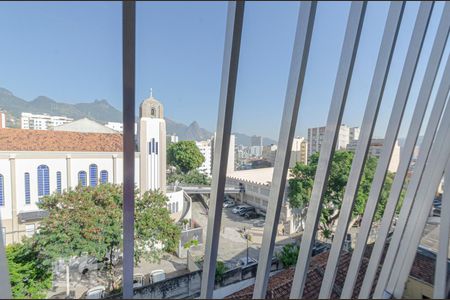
36, 163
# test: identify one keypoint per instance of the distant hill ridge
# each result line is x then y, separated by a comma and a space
100, 111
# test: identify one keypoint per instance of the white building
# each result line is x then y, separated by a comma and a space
354, 134
299, 152
37, 163
172, 138
84, 125
231, 157
205, 149
117, 126
41, 122
375, 149
2, 119
256, 184
316, 136
256, 151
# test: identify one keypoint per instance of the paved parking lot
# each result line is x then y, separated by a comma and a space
232, 245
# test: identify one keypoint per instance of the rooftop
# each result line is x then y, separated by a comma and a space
48, 140
259, 176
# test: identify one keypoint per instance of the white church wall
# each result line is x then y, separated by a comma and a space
5, 210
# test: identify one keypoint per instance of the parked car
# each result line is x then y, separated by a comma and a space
251, 215
97, 292
229, 203
91, 264
157, 275
242, 262
140, 280
245, 210
238, 208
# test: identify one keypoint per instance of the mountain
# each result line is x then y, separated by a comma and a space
100, 111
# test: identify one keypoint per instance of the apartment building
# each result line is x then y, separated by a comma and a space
205, 149
316, 136
41, 122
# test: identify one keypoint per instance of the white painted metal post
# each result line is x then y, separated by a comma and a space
368, 124
419, 214
440, 274
342, 83
299, 61
222, 142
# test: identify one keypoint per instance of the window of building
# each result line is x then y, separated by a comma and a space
82, 178
2, 191
27, 188
58, 182
29, 230
43, 181
93, 175
176, 207
103, 176
173, 208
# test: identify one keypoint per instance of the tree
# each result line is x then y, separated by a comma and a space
288, 255
221, 269
88, 221
303, 179
191, 177
29, 276
185, 156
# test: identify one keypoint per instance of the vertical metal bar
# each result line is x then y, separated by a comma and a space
222, 142
297, 72
342, 83
440, 275
434, 170
368, 124
129, 47
407, 151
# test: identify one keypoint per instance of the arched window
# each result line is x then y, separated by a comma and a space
176, 206
43, 181
173, 208
152, 112
2, 191
82, 178
103, 176
93, 175
58, 182
27, 188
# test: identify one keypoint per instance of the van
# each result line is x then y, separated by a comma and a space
157, 275
239, 208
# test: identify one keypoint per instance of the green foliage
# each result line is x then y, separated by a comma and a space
88, 220
303, 179
185, 156
30, 277
221, 268
193, 242
288, 255
191, 177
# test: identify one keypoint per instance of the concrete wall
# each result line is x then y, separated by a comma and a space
417, 289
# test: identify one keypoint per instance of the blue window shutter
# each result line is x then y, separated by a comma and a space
43, 181
58, 182
156, 147
27, 188
93, 178
104, 176
82, 178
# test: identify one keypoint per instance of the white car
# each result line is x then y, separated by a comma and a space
157, 275
97, 292
242, 262
238, 208
229, 203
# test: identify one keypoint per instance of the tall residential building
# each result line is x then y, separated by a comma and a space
41, 122
317, 134
354, 134
205, 149
256, 146
2, 119
231, 159
375, 149
299, 151
172, 138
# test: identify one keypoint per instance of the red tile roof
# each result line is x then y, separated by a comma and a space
49, 140
280, 284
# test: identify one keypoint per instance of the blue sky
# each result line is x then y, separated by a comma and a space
71, 52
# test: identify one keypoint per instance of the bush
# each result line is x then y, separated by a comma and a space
288, 255
220, 270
